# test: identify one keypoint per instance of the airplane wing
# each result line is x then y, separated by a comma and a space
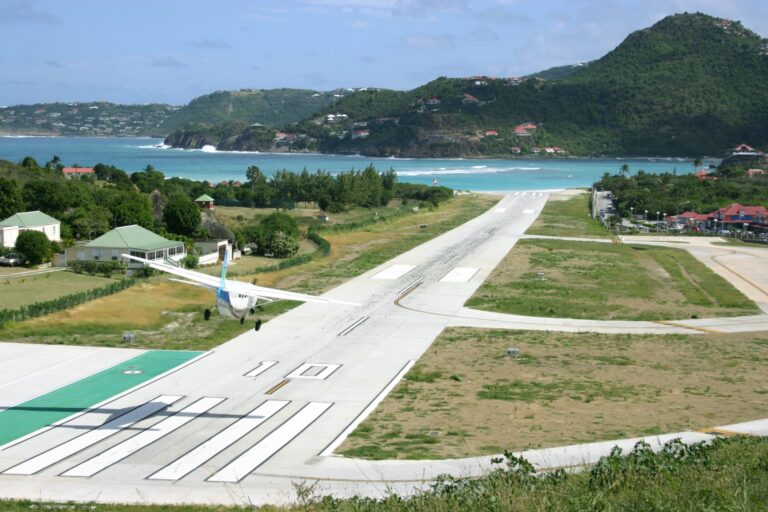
238, 287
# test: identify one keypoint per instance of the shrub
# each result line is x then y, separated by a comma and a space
35, 246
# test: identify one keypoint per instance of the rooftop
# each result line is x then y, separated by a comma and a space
132, 237
28, 220
204, 198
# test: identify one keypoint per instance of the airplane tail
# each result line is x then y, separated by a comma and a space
220, 291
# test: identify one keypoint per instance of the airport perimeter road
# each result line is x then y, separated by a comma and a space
244, 422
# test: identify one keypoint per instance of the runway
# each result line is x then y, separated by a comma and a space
243, 423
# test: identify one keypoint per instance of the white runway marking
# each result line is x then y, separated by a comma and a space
61, 452
144, 438
529, 211
314, 371
499, 210
459, 275
394, 272
261, 368
186, 464
270, 445
357, 323
368, 410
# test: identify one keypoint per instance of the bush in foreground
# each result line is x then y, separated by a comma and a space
729, 474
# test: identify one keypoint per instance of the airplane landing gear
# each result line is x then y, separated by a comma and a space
207, 314
242, 321
257, 326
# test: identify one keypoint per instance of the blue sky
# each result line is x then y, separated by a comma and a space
142, 51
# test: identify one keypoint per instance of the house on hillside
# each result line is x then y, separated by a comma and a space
468, 99
751, 173
205, 202
24, 221
134, 240
491, 133
360, 134
78, 172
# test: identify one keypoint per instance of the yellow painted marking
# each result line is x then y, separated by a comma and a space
722, 432
276, 387
691, 327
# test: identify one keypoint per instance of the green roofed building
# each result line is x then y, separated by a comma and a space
205, 202
36, 221
133, 240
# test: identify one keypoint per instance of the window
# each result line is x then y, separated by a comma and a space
139, 254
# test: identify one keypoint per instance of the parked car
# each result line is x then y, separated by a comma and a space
11, 259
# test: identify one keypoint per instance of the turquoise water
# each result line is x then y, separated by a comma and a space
134, 154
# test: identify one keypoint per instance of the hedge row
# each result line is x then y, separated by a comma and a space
52, 306
106, 267
323, 249
351, 226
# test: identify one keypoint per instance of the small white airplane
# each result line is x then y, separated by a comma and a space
234, 299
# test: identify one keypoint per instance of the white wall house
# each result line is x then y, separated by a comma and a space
37, 221
134, 240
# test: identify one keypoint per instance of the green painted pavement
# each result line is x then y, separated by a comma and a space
47, 409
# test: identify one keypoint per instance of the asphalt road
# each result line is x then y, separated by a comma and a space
248, 420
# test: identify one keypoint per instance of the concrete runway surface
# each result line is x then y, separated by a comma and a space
244, 422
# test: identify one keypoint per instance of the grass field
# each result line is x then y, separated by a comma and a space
566, 214
168, 315
465, 397
23, 290
606, 281
249, 263
306, 216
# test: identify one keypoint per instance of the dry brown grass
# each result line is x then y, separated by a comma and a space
567, 388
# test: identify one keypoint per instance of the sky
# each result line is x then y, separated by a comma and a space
170, 51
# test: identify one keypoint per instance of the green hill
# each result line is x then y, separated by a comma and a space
690, 85
271, 107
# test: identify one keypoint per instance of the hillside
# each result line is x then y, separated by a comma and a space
271, 107
689, 85
89, 119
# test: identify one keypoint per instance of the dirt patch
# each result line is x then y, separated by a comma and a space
467, 397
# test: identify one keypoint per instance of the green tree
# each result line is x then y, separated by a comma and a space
181, 215
12, 201
35, 246
30, 163
280, 222
280, 245
131, 208
696, 163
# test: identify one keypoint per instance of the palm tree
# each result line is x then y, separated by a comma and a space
696, 163
624, 170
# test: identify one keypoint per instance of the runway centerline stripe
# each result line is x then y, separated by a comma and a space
261, 368
43, 411
184, 465
271, 444
69, 448
142, 439
357, 323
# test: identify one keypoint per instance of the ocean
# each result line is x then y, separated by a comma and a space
134, 154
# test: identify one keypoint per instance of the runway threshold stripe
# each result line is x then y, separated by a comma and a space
261, 368
33, 417
186, 464
61, 452
142, 439
271, 444
368, 410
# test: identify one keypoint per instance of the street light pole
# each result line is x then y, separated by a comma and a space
657, 216
646, 215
